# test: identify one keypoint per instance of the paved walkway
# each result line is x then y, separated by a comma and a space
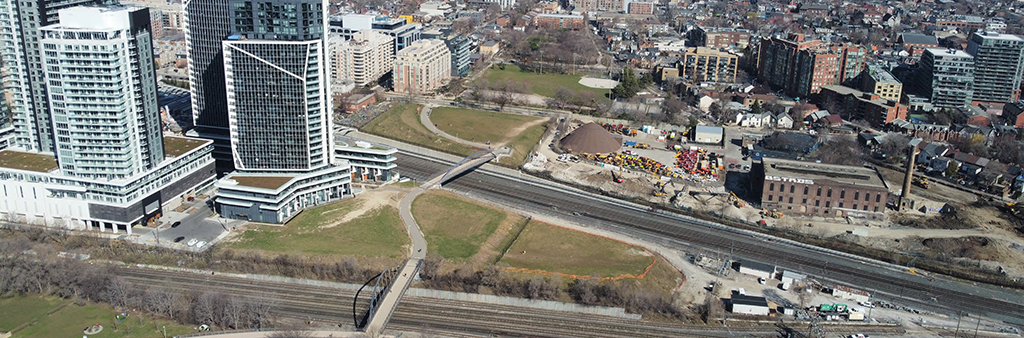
425, 120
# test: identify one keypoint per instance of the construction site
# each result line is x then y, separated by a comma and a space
879, 208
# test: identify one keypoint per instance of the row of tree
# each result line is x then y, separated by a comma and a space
624, 294
66, 278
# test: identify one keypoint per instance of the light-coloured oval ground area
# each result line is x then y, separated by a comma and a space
598, 83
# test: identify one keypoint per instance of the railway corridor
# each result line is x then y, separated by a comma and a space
380, 316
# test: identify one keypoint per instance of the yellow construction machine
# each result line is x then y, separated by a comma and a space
771, 213
921, 182
735, 200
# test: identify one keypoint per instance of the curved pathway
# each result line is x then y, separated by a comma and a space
425, 120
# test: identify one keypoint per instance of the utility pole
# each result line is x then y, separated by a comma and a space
977, 327
955, 334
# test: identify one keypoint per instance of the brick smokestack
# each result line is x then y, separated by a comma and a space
909, 177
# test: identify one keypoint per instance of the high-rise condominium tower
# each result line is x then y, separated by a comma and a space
998, 64
24, 84
101, 80
111, 167
277, 83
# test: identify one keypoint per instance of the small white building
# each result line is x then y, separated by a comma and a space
708, 134
784, 121
754, 120
749, 305
756, 269
792, 276
850, 294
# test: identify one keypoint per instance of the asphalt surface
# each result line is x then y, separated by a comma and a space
195, 225
679, 231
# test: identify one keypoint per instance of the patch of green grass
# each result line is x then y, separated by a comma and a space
410, 184
546, 84
19, 310
549, 248
378, 232
402, 123
522, 145
453, 227
479, 126
71, 320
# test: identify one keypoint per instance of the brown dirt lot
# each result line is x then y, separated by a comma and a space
965, 247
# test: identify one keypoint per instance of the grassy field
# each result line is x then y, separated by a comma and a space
478, 125
549, 248
522, 145
378, 232
541, 84
498, 128
72, 319
458, 229
402, 123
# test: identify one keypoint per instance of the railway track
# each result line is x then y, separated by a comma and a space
936, 293
422, 314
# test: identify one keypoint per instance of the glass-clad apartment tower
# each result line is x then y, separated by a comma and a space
278, 86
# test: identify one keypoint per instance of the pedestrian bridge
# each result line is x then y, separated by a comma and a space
467, 164
390, 285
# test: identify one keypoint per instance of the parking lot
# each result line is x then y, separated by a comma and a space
190, 228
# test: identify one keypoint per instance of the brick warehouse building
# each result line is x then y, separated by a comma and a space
807, 188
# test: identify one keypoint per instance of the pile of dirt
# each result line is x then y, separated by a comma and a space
974, 247
958, 220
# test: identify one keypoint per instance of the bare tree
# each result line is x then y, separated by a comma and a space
204, 308
117, 292
291, 333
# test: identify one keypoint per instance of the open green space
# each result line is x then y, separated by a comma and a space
72, 319
318, 231
522, 145
545, 247
456, 228
546, 84
402, 123
498, 128
478, 125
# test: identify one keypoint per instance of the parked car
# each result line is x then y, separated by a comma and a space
179, 239
192, 242
175, 224
201, 244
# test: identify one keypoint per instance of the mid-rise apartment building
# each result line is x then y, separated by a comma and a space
639, 7
364, 58
24, 85
404, 33
998, 65
802, 67
112, 168
560, 21
946, 77
422, 67
719, 37
702, 64
876, 79
170, 15
461, 48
